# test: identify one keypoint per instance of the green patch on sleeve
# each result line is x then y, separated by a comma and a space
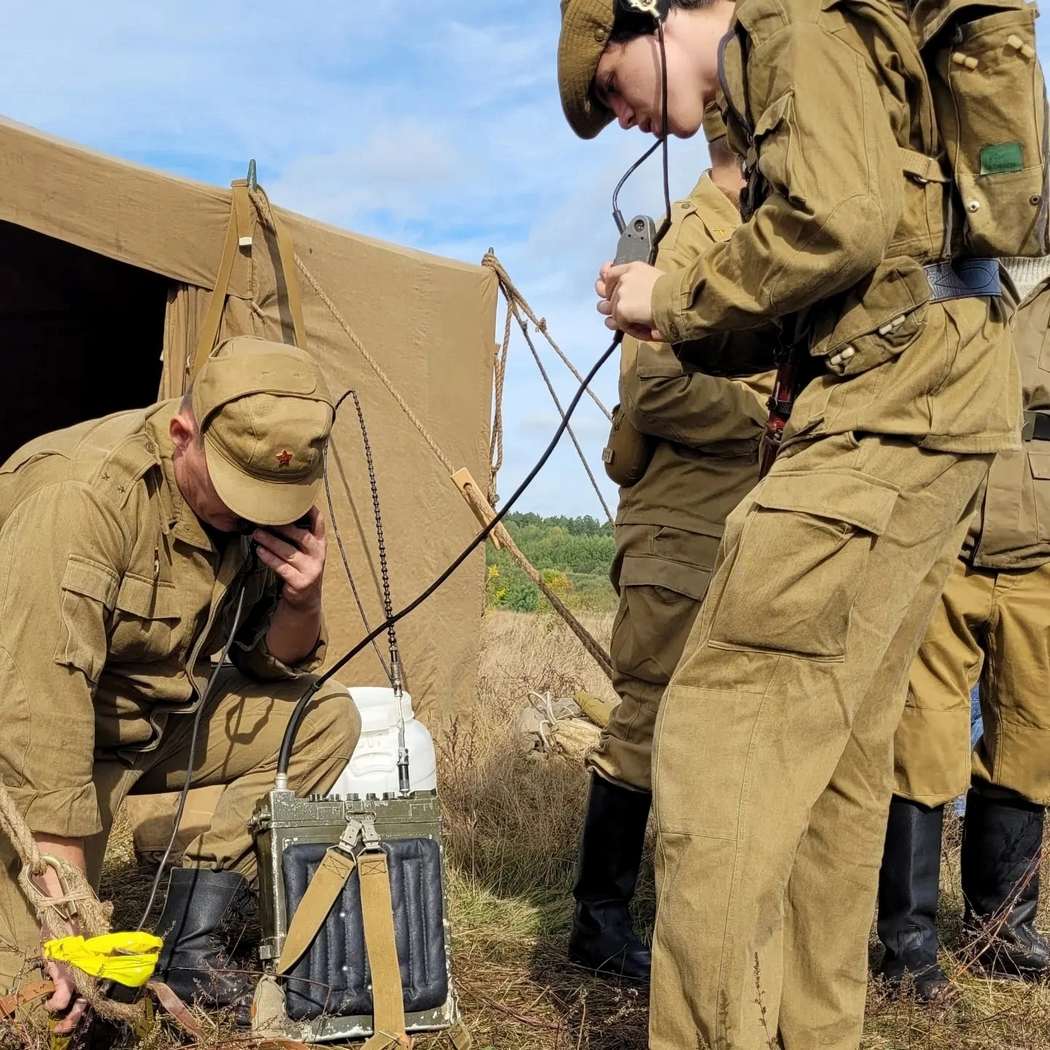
1002, 157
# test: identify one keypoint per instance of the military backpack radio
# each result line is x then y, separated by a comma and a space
352, 908
352, 896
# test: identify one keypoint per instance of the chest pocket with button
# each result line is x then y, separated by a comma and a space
145, 626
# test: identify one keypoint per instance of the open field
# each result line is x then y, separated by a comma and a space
512, 820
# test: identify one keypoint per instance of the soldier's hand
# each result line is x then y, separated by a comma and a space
64, 1002
625, 296
297, 557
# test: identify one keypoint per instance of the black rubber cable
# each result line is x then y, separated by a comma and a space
285, 754
194, 733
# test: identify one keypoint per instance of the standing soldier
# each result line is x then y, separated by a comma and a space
991, 625
693, 439
773, 764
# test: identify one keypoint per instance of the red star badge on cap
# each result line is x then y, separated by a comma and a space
284, 457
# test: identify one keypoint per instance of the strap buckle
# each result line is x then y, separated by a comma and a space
361, 829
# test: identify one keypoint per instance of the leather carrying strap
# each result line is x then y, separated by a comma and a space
963, 278
176, 1008
30, 993
238, 234
324, 890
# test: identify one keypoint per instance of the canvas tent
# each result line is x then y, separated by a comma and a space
106, 271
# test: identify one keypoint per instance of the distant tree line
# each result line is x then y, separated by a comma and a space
573, 553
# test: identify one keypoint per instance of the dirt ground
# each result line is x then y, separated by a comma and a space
511, 824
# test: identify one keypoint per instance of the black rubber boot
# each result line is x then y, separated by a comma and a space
908, 888
602, 937
1001, 851
202, 908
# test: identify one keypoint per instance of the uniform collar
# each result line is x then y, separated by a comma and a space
718, 213
181, 521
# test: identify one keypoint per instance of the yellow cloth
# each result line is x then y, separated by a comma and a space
127, 958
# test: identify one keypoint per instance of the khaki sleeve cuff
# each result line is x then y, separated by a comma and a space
69, 812
667, 306
259, 663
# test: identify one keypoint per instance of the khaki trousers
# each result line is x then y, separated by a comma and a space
993, 627
661, 574
237, 747
773, 751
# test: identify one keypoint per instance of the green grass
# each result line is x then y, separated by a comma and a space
511, 825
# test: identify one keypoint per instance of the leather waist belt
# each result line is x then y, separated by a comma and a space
963, 279
1037, 426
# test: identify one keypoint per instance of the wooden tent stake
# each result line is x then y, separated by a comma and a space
501, 538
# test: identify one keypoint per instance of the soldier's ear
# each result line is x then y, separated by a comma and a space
182, 430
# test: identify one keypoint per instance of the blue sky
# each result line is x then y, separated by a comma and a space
436, 125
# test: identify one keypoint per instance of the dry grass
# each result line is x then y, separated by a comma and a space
512, 822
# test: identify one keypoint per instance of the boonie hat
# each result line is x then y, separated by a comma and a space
264, 415
585, 29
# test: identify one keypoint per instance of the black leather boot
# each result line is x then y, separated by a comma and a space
602, 937
202, 908
1001, 851
908, 888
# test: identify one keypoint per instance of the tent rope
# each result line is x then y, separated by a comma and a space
56, 914
511, 292
516, 306
496, 443
561, 412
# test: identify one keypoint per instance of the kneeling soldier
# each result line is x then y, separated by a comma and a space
693, 437
992, 623
127, 546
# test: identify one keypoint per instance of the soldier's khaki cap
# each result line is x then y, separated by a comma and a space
585, 29
265, 415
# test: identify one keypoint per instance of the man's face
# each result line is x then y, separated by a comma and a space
194, 481
628, 78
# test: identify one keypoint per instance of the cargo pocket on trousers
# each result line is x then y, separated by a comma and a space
659, 602
1039, 465
800, 563
88, 592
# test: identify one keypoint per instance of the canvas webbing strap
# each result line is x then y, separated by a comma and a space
324, 890
377, 914
238, 233
286, 249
